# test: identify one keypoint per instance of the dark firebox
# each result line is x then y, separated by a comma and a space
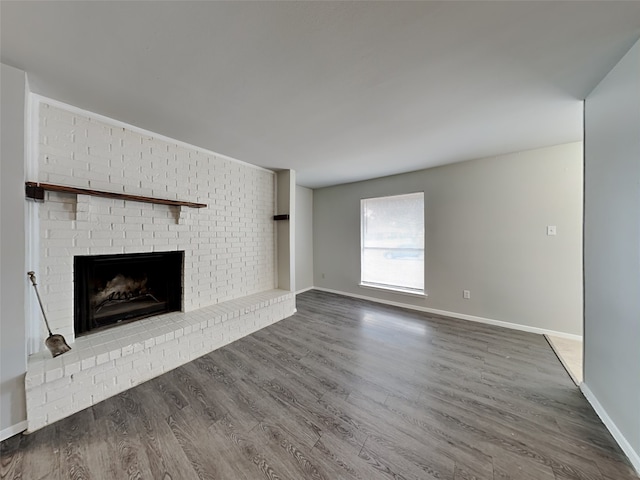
111, 289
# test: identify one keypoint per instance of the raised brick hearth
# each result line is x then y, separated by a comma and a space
103, 364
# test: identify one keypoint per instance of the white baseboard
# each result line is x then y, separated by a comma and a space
569, 336
13, 430
634, 457
304, 290
463, 316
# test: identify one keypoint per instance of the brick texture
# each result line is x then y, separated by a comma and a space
111, 361
229, 263
229, 246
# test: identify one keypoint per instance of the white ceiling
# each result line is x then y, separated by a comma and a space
338, 91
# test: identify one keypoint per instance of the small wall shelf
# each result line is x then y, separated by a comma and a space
36, 191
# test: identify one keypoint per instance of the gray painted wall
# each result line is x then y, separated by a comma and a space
13, 354
485, 223
304, 238
285, 229
612, 245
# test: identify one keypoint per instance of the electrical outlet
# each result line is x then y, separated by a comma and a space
466, 294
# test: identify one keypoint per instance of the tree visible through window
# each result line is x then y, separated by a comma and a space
392, 245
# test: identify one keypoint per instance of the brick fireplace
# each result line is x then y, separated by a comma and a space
227, 251
229, 247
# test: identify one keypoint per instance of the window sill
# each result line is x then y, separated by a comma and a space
400, 291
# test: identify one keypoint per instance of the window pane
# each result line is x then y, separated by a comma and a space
393, 242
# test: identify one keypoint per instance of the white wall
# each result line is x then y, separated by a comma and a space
13, 355
485, 223
229, 245
304, 238
612, 251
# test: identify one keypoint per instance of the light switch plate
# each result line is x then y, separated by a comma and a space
551, 229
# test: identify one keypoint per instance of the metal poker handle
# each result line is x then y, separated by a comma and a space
32, 277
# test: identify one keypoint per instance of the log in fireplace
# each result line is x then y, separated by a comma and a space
111, 289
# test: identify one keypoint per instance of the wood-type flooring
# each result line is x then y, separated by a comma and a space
344, 389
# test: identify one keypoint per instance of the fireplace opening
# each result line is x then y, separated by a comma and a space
111, 289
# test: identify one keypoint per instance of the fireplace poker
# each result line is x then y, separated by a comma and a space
55, 343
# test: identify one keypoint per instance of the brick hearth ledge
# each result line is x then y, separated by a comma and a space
106, 363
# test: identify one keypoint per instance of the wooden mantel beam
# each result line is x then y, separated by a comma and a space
36, 191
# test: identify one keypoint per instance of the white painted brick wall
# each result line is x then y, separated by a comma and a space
229, 263
229, 246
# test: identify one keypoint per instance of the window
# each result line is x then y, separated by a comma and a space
392, 245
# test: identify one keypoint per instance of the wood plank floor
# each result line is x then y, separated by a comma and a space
344, 389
